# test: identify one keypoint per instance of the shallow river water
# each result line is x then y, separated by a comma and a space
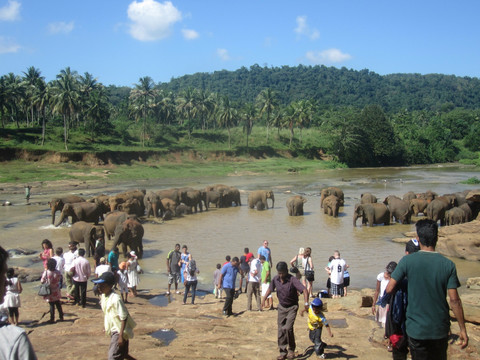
212, 235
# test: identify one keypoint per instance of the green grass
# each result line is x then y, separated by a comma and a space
472, 181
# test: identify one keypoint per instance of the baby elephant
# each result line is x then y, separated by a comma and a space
295, 205
331, 204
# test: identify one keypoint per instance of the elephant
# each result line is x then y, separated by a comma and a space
399, 209
332, 191
455, 216
172, 194
57, 204
368, 198
418, 206
126, 230
468, 212
132, 207
102, 202
429, 195
295, 205
231, 195
87, 233
83, 211
436, 209
153, 204
375, 213
120, 198
192, 198
331, 204
217, 187
183, 209
213, 197
260, 205
260, 195
409, 196
169, 205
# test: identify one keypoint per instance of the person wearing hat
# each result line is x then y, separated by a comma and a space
316, 321
118, 322
122, 281
102, 267
132, 272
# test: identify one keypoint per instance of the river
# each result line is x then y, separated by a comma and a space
212, 235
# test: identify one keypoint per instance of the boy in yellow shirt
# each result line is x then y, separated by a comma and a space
316, 321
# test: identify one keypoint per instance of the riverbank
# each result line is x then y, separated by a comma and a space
201, 332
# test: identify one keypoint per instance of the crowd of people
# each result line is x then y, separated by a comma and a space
409, 300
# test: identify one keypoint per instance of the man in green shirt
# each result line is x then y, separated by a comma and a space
266, 279
431, 277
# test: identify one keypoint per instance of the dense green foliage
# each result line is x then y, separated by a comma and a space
357, 117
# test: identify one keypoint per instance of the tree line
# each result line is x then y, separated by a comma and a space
359, 131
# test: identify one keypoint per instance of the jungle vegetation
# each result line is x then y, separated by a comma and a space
359, 118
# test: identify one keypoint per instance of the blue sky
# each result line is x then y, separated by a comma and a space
119, 41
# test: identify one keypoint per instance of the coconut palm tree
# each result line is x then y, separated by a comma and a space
249, 114
32, 80
14, 93
187, 108
267, 102
65, 99
227, 117
143, 94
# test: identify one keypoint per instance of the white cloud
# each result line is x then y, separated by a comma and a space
7, 46
11, 11
328, 56
190, 34
61, 27
152, 20
223, 54
303, 29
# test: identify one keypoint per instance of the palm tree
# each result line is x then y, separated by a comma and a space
14, 93
65, 98
267, 101
249, 114
227, 117
205, 106
98, 109
143, 93
187, 107
32, 81
87, 84
40, 101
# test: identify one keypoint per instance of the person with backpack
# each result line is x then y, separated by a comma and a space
190, 276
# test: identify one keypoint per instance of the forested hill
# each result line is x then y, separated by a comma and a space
338, 87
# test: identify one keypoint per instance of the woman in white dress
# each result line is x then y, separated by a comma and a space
132, 272
12, 296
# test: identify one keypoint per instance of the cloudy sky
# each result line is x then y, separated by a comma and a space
119, 41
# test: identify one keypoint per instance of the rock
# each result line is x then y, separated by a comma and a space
367, 301
471, 307
462, 241
473, 195
401, 240
473, 283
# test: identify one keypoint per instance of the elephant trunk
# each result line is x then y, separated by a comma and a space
155, 209
53, 215
355, 217
61, 219
273, 201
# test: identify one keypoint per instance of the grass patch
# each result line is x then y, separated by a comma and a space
472, 181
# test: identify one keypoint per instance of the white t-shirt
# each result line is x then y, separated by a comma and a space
337, 268
69, 257
383, 283
100, 269
60, 263
255, 265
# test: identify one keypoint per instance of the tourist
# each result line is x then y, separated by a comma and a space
14, 342
316, 321
122, 281
174, 258
53, 277
228, 258
227, 282
191, 281
81, 272
245, 267
329, 282
337, 269
185, 258
287, 287
113, 259
99, 250
118, 322
428, 318
253, 287
132, 272
297, 262
383, 278
309, 271
47, 252
217, 286
69, 257
102, 267
266, 278
12, 296
59, 259
265, 251
346, 281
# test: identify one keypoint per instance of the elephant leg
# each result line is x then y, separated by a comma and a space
124, 247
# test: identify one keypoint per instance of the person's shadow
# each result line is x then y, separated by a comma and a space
331, 353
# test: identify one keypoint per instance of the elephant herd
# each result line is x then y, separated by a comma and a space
449, 209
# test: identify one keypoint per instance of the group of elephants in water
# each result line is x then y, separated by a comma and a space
121, 213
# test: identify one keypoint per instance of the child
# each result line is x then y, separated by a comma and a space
316, 321
118, 322
216, 278
60, 262
190, 275
122, 281
12, 296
